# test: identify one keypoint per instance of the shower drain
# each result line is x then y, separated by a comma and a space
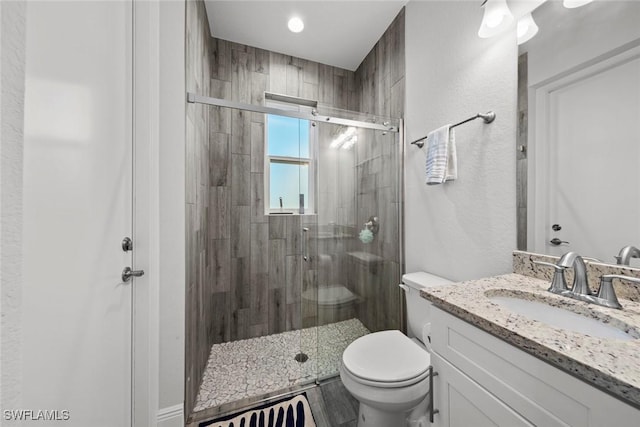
301, 357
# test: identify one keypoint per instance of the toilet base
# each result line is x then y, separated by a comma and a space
368, 416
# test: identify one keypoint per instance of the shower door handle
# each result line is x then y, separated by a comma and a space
305, 255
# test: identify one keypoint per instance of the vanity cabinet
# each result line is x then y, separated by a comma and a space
484, 381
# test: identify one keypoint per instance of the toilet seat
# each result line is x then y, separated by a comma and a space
387, 359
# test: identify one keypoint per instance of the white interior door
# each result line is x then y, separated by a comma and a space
76, 325
591, 162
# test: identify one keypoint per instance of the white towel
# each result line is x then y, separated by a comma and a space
442, 161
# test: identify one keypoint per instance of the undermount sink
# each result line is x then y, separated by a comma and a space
561, 318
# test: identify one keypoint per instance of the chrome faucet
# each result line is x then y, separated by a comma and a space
605, 296
580, 282
626, 254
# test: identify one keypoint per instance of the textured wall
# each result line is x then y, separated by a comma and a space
12, 67
464, 229
199, 313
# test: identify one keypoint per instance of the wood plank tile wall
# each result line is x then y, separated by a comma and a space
244, 269
380, 82
200, 301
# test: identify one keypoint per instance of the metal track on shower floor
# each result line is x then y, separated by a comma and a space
240, 373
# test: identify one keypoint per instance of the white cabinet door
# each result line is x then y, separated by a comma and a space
77, 197
461, 402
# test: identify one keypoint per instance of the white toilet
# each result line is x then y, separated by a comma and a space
387, 372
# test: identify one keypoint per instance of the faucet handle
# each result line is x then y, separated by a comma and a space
607, 293
559, 282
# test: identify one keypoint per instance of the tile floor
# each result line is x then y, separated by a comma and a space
258, 366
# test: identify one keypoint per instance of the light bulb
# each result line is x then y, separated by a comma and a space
497, 18
527, 28
295, 24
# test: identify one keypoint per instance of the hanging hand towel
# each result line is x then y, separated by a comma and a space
441, 156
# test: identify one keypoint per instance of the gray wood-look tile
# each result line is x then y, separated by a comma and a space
259, 251
293, 235
240, 283
240, 180
219, 159
521, 155
199, 319
220, 254
259, 85
309, 91
293, 316
257, 147
241, 80
220, 89
277, 270
219, 119
277, 314
221, 59
190, 160
341, 406
262, 61
240, 231
277, 73
221, 313
294, 77
277, 227
219, 213
293, 278
325, 84
257, 199
241, 132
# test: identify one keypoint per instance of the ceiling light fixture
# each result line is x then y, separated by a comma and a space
497, 18
295, 25
527, 28
572, 4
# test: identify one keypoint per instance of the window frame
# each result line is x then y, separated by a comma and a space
291, 104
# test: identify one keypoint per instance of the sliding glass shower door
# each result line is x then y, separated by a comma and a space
292, 245
357, 239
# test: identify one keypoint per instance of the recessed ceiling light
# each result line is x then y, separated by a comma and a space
295, 24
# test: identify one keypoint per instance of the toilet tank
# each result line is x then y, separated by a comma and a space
418, 308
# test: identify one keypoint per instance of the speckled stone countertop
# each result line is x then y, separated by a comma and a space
611, 365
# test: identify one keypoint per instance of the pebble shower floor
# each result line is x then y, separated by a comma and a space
257, 366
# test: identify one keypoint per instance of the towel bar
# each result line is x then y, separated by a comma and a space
488, 117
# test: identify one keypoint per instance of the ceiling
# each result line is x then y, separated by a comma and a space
338, 33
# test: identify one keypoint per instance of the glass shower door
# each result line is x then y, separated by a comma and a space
358, 265
291, 169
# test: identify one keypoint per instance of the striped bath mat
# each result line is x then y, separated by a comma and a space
291, 412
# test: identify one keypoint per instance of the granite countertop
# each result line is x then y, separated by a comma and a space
611, 365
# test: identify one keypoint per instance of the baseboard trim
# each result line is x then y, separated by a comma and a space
173, 416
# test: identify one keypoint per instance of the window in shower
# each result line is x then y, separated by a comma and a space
289, 160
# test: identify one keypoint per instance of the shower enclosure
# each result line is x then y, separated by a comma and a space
303, 226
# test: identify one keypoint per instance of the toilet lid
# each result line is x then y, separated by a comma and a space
387, 356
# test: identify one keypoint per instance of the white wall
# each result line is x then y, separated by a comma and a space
165, 350
464, 229
172, 213
172, 201
12, 66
